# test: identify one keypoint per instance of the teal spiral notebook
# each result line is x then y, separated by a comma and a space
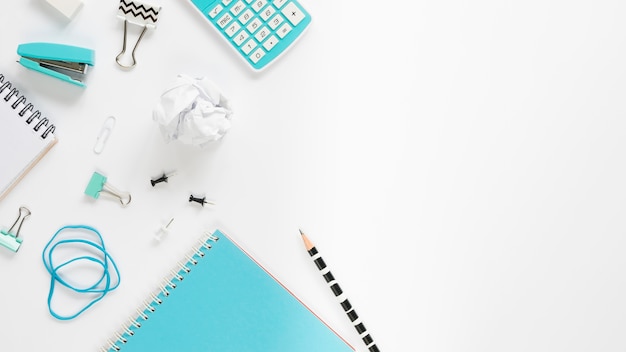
223, 300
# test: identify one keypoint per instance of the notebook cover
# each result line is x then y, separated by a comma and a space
21, 146
228, 302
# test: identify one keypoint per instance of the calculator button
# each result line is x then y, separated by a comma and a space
225, 20
237, 8
278, 19
254, 25
226, 2
258, 5
216, 11
241, 37
247, 48
293, 13
269, 11
246, 16
284, 30
262, 34
280, 3
257, 55
232, 29
270, 43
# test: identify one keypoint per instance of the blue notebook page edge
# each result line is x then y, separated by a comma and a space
228, 302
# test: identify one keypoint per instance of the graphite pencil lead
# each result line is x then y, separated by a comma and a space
307, 243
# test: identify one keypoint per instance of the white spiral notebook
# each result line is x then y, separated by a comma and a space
26, 135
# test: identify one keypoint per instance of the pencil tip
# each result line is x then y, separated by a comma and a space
307, 242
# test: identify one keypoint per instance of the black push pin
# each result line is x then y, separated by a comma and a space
163, 178
202, 201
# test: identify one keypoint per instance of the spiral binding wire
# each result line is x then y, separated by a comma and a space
159, 296
26, 107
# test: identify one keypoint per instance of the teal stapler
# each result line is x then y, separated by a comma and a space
65, 62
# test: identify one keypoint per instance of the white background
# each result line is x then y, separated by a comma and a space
459, 165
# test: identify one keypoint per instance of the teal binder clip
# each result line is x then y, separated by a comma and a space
65, 62
98, 184
8, 238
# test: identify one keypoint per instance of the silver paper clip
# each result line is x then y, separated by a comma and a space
103, 136
138, 13
9, 239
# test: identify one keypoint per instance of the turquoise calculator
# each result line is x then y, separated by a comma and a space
259, 30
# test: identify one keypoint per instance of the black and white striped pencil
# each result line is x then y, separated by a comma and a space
334, 286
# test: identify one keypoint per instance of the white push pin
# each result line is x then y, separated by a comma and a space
163, 231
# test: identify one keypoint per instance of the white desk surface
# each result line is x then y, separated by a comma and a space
460, 165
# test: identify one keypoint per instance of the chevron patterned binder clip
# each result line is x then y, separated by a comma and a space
138, 13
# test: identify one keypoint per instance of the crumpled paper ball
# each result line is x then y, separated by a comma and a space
193, 111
